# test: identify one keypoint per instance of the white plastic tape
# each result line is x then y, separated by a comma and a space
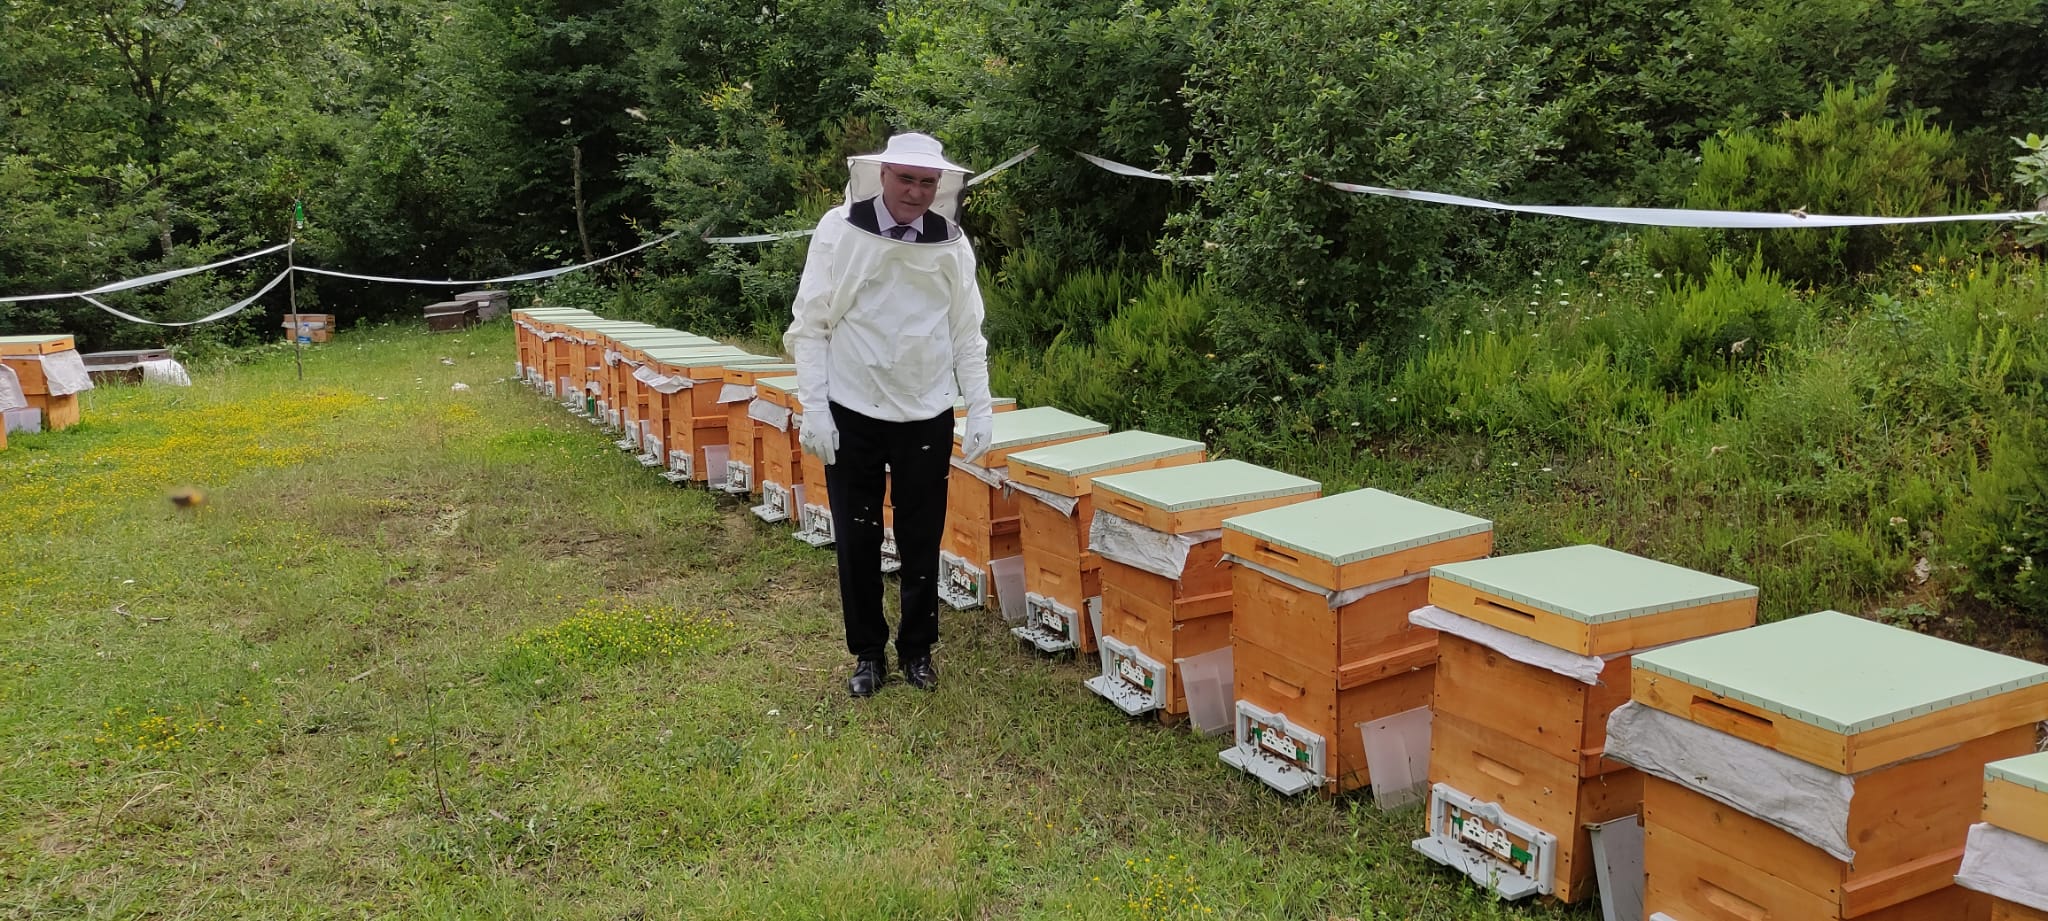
148, 279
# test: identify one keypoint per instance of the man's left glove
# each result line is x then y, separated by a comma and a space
979, 433
820, 435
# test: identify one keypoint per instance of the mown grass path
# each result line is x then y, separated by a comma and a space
426, 653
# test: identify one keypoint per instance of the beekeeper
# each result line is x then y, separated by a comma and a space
887, 337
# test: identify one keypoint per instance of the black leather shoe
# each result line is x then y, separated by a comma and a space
868, 676
920, 673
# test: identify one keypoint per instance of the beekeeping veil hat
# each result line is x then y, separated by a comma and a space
865, 175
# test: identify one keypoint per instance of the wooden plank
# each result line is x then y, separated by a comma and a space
2002, 910
1693, 881
1647, 630
1512, 616
1533, 705
2015, 808
59, 413
1903, 813
1950, 726
1742, 720
1536, 787
1901, 884
1713, 825
36, 345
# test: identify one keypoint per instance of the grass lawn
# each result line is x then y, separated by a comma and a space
428, 653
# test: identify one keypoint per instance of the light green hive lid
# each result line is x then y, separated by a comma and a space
2030, 771
681, 352
1118, 449
1593, 585
784, 384
1843, 674
659, 337
1031, 426
556, 312
778, 369
33, 340
615, 327
717, 360
1193, 486
1357, 525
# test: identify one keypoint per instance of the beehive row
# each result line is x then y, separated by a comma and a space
48, 374
1580, 720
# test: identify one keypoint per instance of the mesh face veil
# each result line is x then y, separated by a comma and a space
869, 178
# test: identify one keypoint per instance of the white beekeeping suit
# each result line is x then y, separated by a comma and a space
891, 327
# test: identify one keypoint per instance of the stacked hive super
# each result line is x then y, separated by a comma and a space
1322, 645
742, 434
777, 410
983, 526
49, 374
1823, 767
1062, 578
541, 335
1533, 653
630, 379
593, 368
2006, 857
1166, 593
687, 382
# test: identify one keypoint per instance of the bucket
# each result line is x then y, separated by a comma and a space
1397, 757
1210, 681
1008, 576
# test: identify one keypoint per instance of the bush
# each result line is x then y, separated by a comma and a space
2000, 533
1847, 157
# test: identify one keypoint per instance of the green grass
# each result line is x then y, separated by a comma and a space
435, 654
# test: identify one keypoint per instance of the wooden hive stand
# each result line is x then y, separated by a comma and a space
1885, 732
1151, 618
737, 394
1062, 578
982, 523
1320, 636
631, 374
1517, 767
30, 358
2006, 857
781, 458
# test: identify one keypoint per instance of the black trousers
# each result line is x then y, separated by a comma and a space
917, 455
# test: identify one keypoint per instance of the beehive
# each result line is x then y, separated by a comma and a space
1320, 632
625, 374
1062, 578
539, 333
692, 423
1517, 749
27, 356
781, 467
981, 516
308, 327
736, 393
1156, 609
590, 372
2006, 857
1894, 726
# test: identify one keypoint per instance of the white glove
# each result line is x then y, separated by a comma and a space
819, 434
980, 432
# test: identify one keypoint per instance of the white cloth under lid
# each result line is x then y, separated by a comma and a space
2005, 864
1154, 551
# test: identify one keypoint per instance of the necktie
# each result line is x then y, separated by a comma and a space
897, 232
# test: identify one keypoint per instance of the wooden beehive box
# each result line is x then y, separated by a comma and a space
737, 394
2015, 837
597, 372
1909, 719
1314, 657
311, 327
692, 422
448, 316
1150, 619
534, 332
1529, 741
490, 304
982, 519
780, 473
1062, 578
641, 407
25, 355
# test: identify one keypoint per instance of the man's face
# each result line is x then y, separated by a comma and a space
908, 190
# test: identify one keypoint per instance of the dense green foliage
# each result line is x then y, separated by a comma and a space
1840, 415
